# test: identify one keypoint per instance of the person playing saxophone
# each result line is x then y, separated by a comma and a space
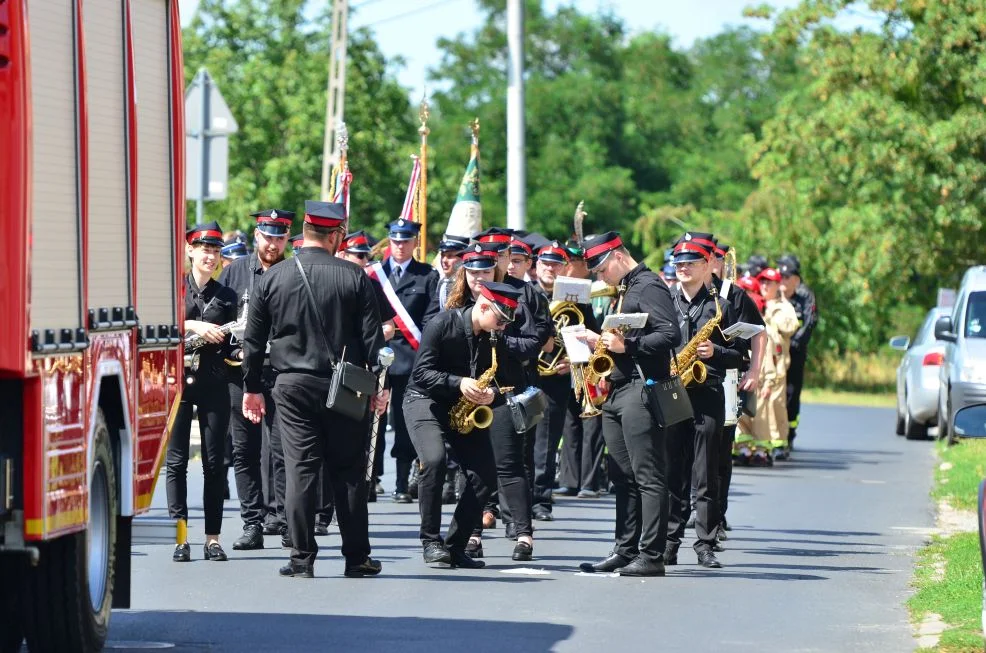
453, 387
694, 445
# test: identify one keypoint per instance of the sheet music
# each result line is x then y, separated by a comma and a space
577, 350
743, 330
627, 320
570, 289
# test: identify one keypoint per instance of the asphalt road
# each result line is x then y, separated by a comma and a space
819, 559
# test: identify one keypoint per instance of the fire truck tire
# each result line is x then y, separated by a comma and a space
70, 593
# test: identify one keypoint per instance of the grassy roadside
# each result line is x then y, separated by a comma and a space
847, 398
948, 575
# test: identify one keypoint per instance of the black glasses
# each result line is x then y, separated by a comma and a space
502, 322
360, 255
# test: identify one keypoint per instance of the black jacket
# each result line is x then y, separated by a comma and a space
745, 311
803, 301
281, 307
695, 314
216, 304
651, 346
449, 352
417, 290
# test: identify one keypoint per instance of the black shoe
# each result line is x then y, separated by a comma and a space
252, 538
474, 549
543, 515
523, 552
371, 496
402, 497
708, 560
183, 553
641, 567
368, 567
378, 488
321, 529
671, 554
214, 552
564, 491
510, 530
612, 563
461, 559
292, 570
726, 526
435, 552
717, 547
285, 539
271, 528
691, 520
721, 534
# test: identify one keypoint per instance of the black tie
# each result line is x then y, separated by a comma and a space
395, 275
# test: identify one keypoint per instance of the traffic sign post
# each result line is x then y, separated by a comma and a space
208, 124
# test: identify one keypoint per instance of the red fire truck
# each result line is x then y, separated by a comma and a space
91, 218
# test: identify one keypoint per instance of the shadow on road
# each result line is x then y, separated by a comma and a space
226, 631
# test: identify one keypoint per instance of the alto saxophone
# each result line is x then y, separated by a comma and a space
686, 364
467, 415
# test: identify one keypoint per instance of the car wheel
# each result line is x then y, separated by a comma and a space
912, 429
900, 421
943, 420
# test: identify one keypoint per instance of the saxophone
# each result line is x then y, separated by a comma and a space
686, 364
467, 415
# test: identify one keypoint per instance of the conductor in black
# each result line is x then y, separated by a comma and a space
343, 319
635, 440
456, 363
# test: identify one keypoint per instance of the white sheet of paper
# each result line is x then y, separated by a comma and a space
577, 350
743, 330
629, 320
570, 289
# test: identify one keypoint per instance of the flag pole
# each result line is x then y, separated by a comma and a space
422, 212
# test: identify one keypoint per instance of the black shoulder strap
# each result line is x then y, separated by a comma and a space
314, 305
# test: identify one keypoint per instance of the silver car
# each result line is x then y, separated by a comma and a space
962, 398
917, 378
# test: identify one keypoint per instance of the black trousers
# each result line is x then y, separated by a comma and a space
325, 505
548, 434
795, 380
581, 449
209, 395
512, 454
311, 434
403, 449
430, 430
272, 470
725, 468
247, 445
693, 460
639, 473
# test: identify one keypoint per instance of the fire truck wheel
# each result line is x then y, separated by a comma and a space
71, 589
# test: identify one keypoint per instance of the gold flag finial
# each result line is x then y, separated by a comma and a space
474, 126
424, 112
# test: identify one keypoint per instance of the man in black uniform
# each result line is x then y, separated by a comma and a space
803, 300
345, 320
450, 251
582, 440
694, 445
635, 440
258, 463
456, 352
551, 263
415, 301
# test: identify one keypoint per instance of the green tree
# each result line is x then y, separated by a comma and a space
271, 60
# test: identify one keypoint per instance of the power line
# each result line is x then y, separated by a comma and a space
405, 14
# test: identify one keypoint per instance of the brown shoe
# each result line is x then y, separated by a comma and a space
489, 520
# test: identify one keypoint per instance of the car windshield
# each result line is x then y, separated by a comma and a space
926, 334
975, 315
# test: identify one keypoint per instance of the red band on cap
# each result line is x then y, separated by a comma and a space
358, 240
690, 246
196, 235
720, 252
495, 238
522, 245
470, 255
322, 222
770, 274
498, 298
602, 248
554, 250
266, 219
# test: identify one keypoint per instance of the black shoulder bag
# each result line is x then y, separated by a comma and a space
351, 386
667, 398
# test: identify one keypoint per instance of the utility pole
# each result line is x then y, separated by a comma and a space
516, 172
335, 96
